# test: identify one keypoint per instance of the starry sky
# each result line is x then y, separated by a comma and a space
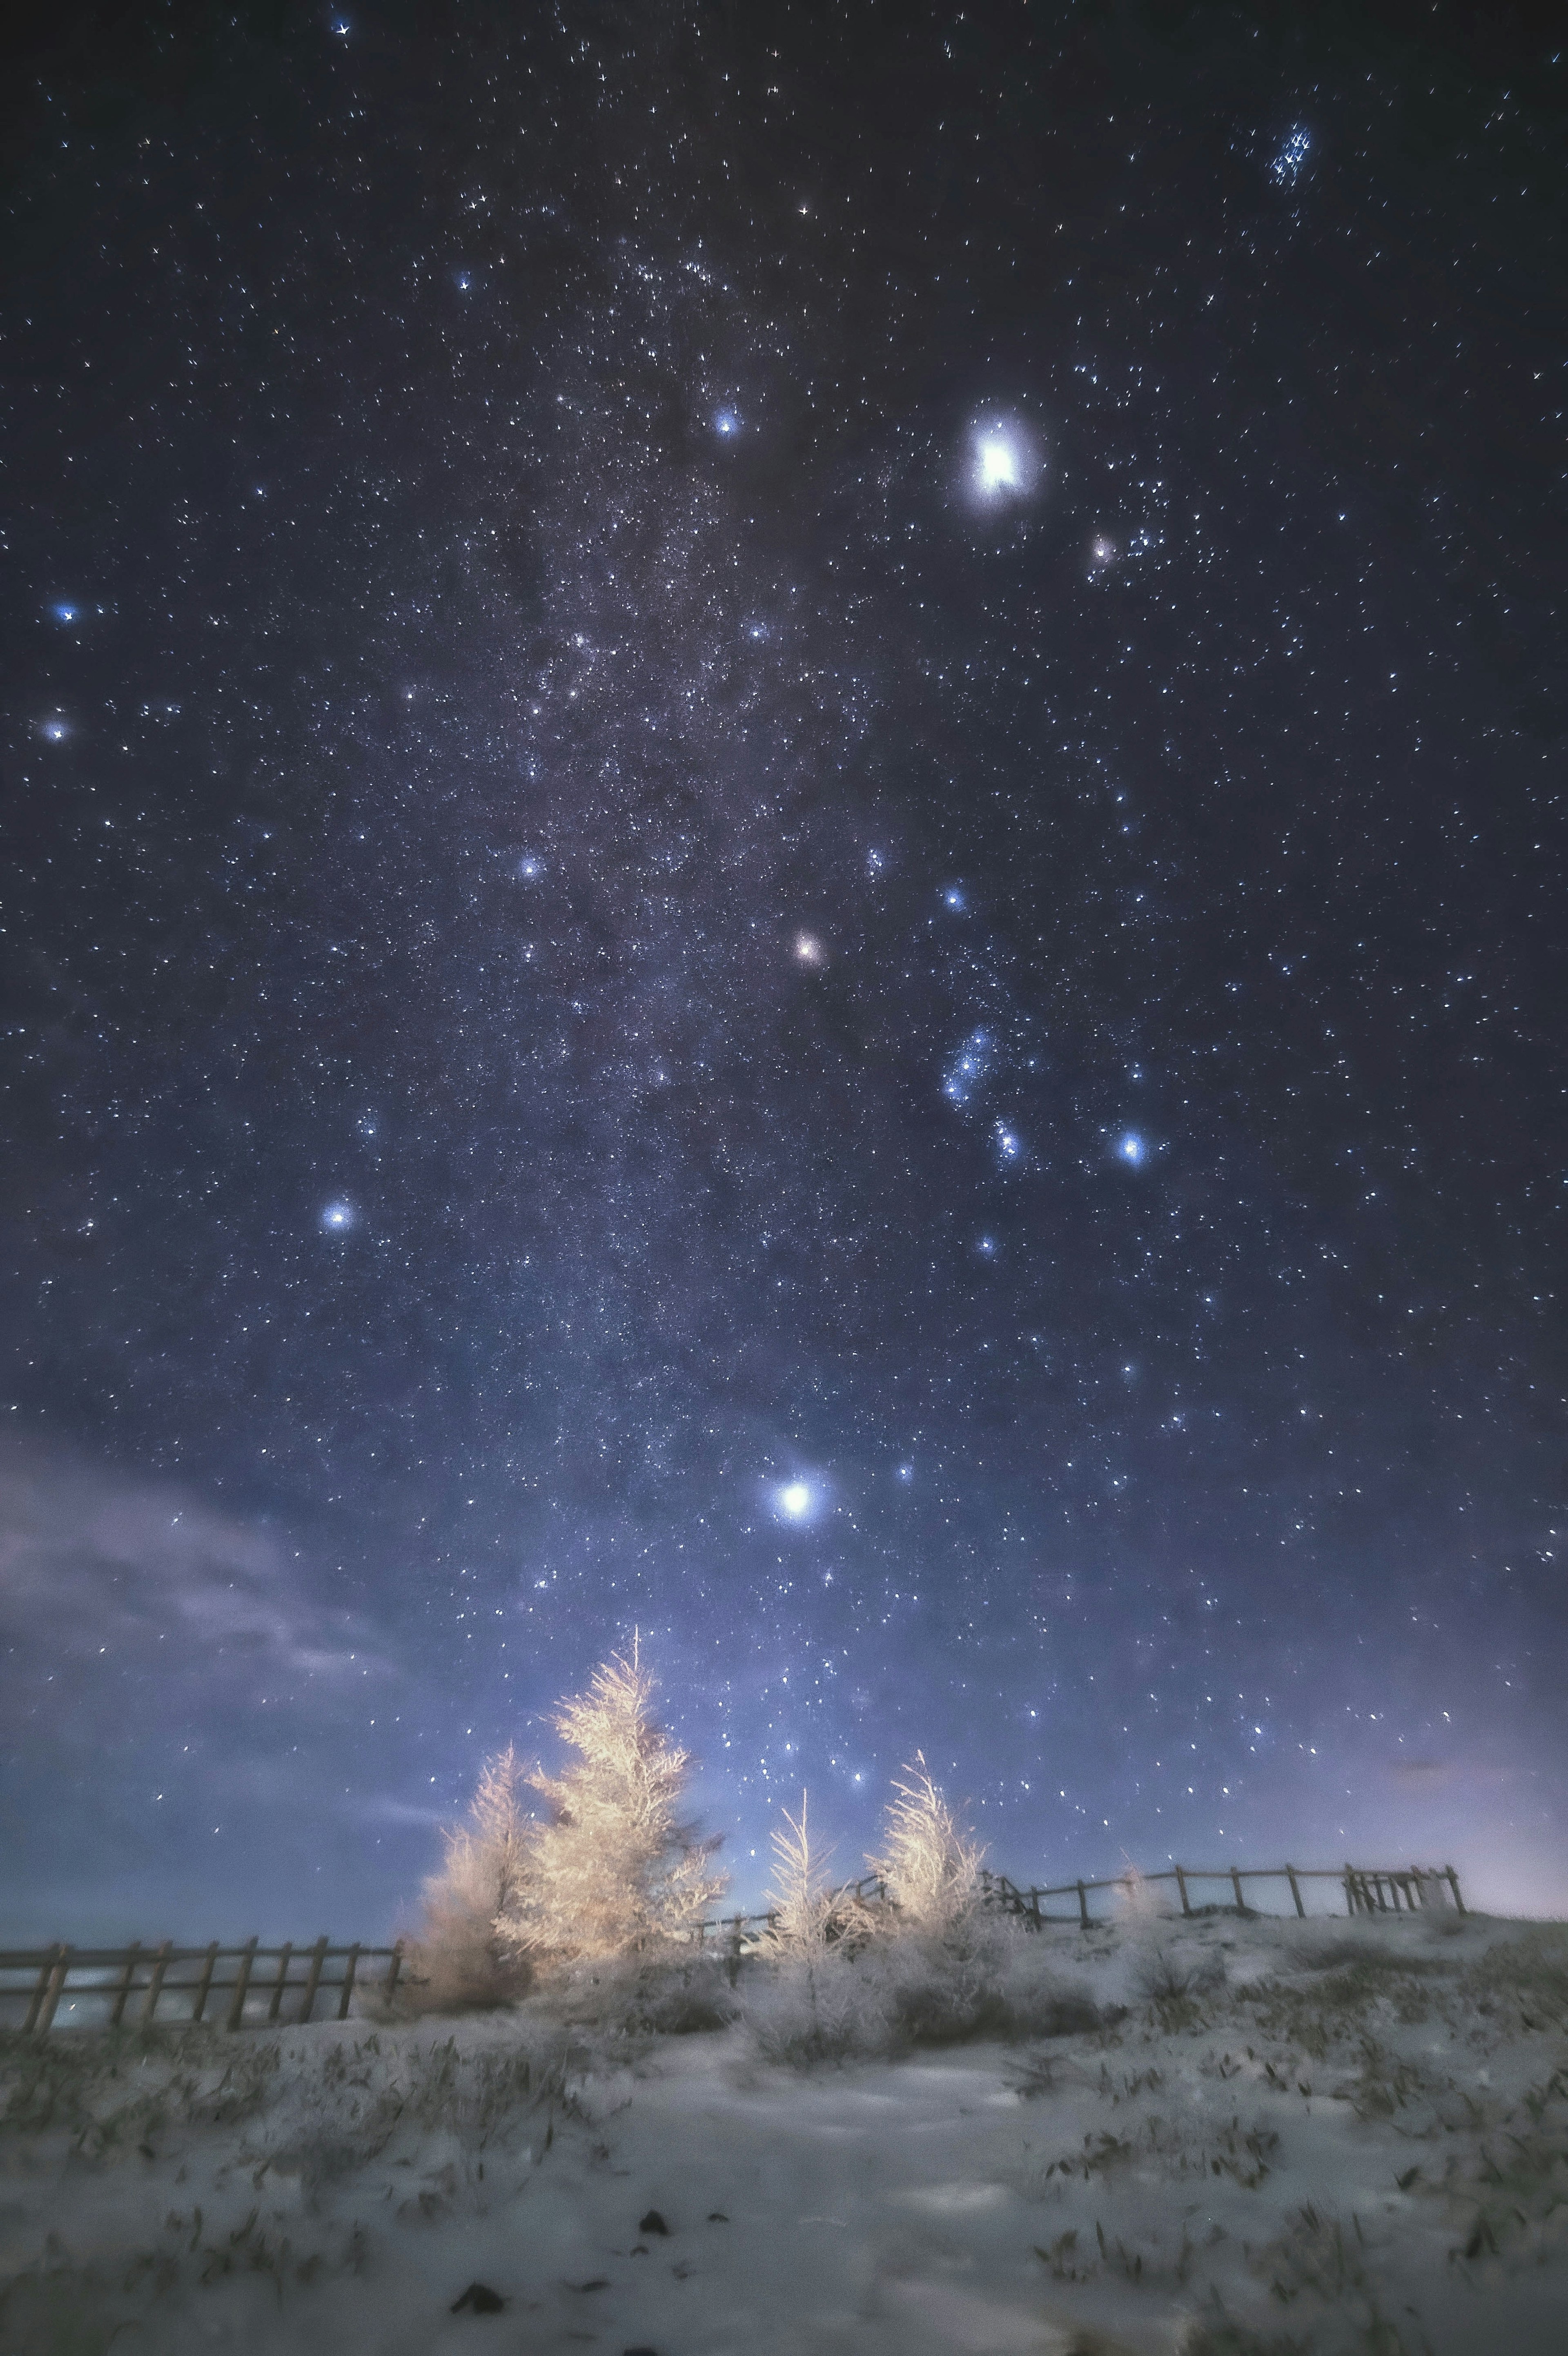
784, 862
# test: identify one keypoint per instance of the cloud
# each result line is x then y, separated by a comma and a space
98, 1567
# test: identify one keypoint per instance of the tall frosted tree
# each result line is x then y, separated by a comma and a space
461, 1955
800, 1900
617, 1868
929, 1863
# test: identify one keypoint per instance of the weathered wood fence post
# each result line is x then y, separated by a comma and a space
54, 1990
279, 1979
241, 1984
204, 1985
1294, 1890
313, 1978
349, 1968
40, 1989
155, 1984
1181, 1885
122, 1985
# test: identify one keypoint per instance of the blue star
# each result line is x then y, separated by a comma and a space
796, 1501
1132, 1149
338, 1217
726, 423
64, 612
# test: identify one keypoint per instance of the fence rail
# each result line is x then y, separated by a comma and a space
121, 1984
268, 1984
1368, 1890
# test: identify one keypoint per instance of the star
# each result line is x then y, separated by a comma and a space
998, 466
1132, 1149
338, 1217
726, 423
796, 1501
809, 950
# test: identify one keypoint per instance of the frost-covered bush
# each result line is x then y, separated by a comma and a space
929, 1864
460, 1957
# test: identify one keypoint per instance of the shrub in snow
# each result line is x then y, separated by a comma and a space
929, 1864
1142, 1900
616, 1871
460, 1956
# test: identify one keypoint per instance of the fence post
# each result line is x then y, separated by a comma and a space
155, 1984
1236, 1886
127, 1975
1181, 1885
276, 1998
1034, 1907
241, 1986
1083, 1906
40, 1989
54, 1991
313, 1980
1294, 1888
1451, 1878
1351, 1895
349, 1968
394, 1968
204, 1985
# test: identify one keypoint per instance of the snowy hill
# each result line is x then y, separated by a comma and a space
1251, 2136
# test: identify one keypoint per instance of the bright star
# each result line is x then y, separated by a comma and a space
1132, 1149
953, 897
55, 731
997, 464
338, 1218
796, 1501
64, 612
808, 949
1009, 1144
726, 423
528, 867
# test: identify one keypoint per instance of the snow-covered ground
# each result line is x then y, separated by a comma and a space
1326, 2136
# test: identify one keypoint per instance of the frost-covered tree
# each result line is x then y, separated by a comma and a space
929, 1863
800, 1901
460, 1955
616, 1869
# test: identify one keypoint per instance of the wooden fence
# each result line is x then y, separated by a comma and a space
140, 1985
1368, 1890
112, 1986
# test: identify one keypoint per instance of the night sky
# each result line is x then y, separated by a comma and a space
783, 861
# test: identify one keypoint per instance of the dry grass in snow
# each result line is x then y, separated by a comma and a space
1227, 2138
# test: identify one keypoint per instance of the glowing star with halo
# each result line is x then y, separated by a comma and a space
796, 1501
997, 467
1003, 463
808, 949
337, 1218
1132, 1149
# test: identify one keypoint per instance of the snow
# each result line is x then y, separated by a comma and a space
1279, 2137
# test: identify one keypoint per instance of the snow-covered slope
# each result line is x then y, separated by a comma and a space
1328, 2136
